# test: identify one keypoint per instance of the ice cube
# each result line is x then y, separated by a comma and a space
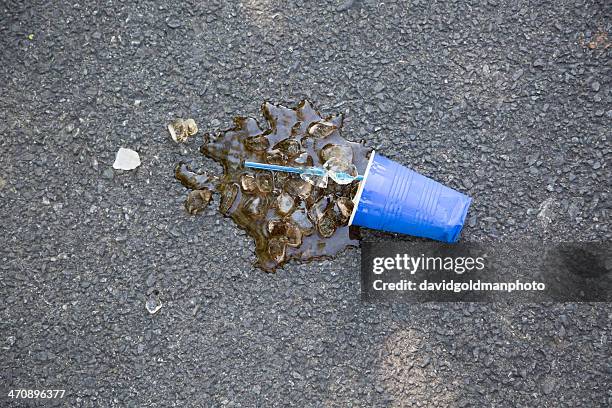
191, 126
277, 227
228, 196
327, 224
345, 208
190, 178
248, 182
322, 129
280, 178
264, 182
315, 179
197, 200
285, 230
342, 152
342, 172
276, 157
181, 129
255, 206
276, 249
304, 159
300, 218
298, 188
294, 235
289, 146
316, 210
176, 130
256, 143
284, 203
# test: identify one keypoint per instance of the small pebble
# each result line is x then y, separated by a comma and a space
108, 174
126, 159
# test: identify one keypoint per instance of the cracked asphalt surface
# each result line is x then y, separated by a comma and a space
508, 101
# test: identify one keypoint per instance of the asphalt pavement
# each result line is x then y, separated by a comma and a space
508, 101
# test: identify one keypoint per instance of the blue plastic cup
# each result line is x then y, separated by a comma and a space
394, 198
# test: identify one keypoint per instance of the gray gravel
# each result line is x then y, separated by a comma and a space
502, 99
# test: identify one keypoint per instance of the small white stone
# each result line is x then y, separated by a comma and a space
153, 304
126, 159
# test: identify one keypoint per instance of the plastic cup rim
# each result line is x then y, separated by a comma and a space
360, 189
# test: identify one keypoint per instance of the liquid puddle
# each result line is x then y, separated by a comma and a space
289, 217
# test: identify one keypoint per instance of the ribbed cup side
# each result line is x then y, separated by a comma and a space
398, 199
408, 187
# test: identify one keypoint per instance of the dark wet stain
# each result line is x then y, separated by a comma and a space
288, 217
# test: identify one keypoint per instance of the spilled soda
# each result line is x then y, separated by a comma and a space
289, 216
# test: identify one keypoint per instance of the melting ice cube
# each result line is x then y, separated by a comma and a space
342, 172
316, 180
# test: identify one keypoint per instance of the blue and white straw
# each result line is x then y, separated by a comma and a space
315, 171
